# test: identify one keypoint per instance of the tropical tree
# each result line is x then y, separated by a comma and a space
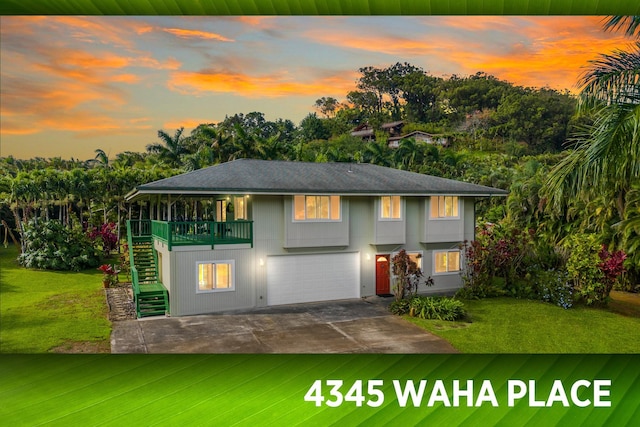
607, 154
171, 148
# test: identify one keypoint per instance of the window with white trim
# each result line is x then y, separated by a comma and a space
390, 207
316, 208
446, 261
444, 207
215, 276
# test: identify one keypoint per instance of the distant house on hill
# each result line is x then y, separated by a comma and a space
418, 135
367, 133
394, 134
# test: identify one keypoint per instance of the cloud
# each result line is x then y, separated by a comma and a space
521, 50
187, 123
195, 34
279, 84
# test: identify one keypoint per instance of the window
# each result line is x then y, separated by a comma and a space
221, 210
444, 207
240, 210
316, 208
413, 256
446, 261
390, 207
215, 276
416, 257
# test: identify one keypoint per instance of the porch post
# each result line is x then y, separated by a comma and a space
169, 207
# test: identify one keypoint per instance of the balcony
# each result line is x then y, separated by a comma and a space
191, 233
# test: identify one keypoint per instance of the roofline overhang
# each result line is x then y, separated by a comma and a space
138, 194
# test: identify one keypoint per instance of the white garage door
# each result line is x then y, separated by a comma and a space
307, 278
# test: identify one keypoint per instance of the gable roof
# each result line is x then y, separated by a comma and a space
249, 176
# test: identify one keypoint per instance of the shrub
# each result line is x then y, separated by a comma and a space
497, 253
107, 235
399, 307
439, 308
49, 245
555, 288
407, 275
592, 268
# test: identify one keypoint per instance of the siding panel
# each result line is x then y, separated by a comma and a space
186, 300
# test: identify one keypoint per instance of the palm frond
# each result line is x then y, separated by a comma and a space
612, 78
628, 24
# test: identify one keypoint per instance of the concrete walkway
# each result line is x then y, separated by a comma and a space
350, 326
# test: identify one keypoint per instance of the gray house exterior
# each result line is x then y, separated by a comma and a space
254, 233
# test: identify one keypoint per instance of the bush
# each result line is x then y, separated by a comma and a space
555, 288
52, 246
107, 235
407, 275
497, 253
399, 307
439, 308
592, 268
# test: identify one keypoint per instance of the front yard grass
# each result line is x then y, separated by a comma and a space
47, 311
507, 325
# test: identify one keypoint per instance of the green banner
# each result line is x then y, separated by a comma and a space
319, 7
347, 390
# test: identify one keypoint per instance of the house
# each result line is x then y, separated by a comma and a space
394, 142
255, 233
367, 133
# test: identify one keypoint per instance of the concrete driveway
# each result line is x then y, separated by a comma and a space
349, 326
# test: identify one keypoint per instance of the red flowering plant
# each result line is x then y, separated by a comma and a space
109, 274
611, 265
107, 233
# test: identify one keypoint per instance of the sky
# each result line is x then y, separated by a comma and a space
70, 85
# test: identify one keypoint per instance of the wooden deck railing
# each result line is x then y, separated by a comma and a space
189, 233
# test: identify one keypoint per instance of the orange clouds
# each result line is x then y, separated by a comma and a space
527, 51
269, 86
194, 34
187, 123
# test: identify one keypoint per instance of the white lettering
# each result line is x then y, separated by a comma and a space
486, 394
512, 394
574, 393
409, 390
598, 393
439, 394
532, 396
557, 394
457, 393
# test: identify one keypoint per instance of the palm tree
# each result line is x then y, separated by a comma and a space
378, 153
101, 158
171, 149
606, 155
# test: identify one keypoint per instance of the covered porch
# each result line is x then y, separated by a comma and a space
191, 233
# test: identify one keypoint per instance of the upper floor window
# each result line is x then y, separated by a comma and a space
316, 208
444, 207
390, 207
240, 207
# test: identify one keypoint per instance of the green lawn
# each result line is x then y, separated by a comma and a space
46, 311
506, 325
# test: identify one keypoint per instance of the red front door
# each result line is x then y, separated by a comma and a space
382, 275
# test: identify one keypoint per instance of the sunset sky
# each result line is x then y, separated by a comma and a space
70, 85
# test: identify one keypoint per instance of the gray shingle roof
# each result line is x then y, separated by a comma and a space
248, 176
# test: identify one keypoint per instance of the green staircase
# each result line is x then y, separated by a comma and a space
145, 262
150, 296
